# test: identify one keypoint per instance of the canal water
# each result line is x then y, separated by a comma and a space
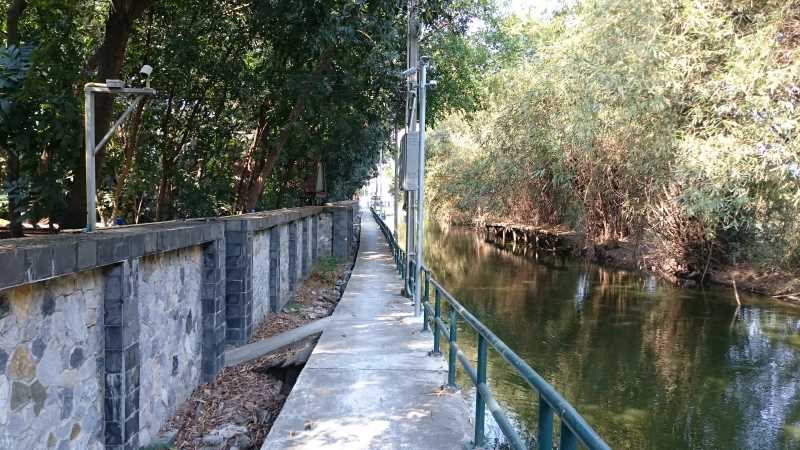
648, 365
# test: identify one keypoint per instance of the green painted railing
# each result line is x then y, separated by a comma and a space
573, 427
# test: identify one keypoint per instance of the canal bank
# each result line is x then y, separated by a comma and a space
649, 365
628, 254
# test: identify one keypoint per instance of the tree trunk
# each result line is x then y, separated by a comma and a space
108, 60
128, 151
251, 192
13, 170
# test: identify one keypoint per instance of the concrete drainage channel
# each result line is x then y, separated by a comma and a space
236, 410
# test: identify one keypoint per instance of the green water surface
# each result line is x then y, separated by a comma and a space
650, 366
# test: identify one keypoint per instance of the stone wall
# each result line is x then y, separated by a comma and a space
104, 334
268, 254
51, 358
261, 268
170, 337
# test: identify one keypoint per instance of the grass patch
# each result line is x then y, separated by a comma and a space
325, 269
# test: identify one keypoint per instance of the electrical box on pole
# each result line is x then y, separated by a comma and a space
409, 161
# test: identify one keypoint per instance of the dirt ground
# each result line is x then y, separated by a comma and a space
238, 408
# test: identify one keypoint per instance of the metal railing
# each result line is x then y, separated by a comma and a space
573, 428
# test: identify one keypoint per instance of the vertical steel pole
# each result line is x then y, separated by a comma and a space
568, 440
437, 314
480, 402
451, 361
411, 124
396, 183
545, 431
425, 300
423, 79
88, 126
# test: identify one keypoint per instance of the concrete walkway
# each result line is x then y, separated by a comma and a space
370, 383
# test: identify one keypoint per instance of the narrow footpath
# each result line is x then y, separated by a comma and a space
370, 383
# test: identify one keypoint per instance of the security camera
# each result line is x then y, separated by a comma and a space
146, 70
432, 84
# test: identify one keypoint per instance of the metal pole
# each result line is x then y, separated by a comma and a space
411, 123
480, 402
88, 126
420, 230
396, 183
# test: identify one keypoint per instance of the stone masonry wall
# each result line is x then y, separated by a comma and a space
325, 237
104, 334
285, 289
51, 356
261, 268
170, 336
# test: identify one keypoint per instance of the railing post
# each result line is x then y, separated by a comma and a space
480, 402
568, 440
451, 361
425, 302
437, 314
545, 431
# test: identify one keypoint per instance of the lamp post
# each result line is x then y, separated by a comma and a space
113, 87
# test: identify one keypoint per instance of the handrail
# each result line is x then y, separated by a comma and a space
573, 427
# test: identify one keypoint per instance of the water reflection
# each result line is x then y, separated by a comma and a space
648, 365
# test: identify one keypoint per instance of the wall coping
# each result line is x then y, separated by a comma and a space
33, 259
262, 220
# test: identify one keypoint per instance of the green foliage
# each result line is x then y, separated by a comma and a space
238, 83
595, 115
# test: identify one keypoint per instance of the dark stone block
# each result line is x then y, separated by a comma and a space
64, 259
113, 284
133, 440
112, 313
150, 242
113, 361
114, 385
76, 358
113, 433
131, 380
233, 310
112, 408
113, 338
174, 365
48, 305
132, 402
189, 323
136, 245
14, 269
3, 360
132, 356
112, 250
5, 306
37, 347
66, 398
86, 254
234, 336
38, 395
212, 275
39, 262
20, 395
209, 306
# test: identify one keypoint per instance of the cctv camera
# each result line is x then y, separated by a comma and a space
146, 70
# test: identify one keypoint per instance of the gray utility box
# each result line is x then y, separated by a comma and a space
409, 161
